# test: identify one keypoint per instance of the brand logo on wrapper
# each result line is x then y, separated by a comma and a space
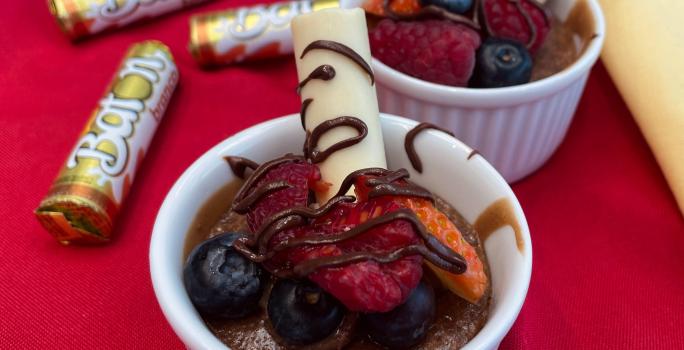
248, 33
80, 18
253, 21
112, 10
135, 99
86, 196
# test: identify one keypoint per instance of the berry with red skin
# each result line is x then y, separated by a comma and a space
300, 174
439, 51
366, 286
524, 21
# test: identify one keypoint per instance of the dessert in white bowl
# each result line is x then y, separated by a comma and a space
517, 128
338, 247
469, 185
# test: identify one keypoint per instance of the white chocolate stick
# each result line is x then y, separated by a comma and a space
350, 92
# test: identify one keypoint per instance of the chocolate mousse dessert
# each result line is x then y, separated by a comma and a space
477, 43
330, 249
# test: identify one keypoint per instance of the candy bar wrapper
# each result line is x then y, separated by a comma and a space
81, 18
248, 33
83, 202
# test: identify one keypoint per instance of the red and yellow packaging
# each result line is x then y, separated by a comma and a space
248, 33
87, 195
80, 18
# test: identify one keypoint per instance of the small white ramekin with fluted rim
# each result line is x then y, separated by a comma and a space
471, 185
515, 128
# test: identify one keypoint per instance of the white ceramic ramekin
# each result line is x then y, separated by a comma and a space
515, 128
469, 185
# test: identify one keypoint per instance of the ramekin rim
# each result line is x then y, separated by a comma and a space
511, 95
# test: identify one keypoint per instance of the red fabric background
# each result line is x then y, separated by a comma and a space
608, 238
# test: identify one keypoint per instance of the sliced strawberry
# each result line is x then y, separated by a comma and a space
470, 285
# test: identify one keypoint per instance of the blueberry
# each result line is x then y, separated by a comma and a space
455, 6
501, 62
220, 281
407, 324
302, 313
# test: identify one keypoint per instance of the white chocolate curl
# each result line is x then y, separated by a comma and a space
349, 93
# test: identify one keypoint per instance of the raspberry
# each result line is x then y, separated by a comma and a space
506, 19
299, 174
439, 51
366, 286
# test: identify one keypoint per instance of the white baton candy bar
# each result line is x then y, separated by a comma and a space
80, 18
338, 94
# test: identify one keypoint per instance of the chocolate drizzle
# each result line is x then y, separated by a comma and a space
245, 198
343, 50
302, 113
433, 250
409, 145
384, 184
256, 247
473, 153
323, 72
312, 137
239, 165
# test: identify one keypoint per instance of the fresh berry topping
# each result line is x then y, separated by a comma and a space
302, 313
438, 51
366, 286
298, 176
220, 281
522, 20
398, 7
455, 6
501, 62
407, 324
470, 285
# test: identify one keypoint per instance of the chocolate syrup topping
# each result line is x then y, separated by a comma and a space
342, 50
293, 217
309, 266
432, 250
239, 165
302, 113
245, 198
409, 145
351, 178
439, 254
312, 138
262, 191
323, 72
384, 184
430, 11
473, 153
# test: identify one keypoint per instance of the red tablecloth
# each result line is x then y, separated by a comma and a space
608, 238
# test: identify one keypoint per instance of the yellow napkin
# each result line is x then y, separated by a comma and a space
644, 53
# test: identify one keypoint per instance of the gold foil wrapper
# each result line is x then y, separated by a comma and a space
87, 194
81, 18
247, 33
